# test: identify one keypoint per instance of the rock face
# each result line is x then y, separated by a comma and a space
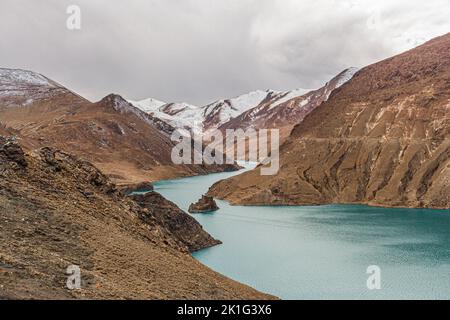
204, 205
10, 151
183, 227
383, 138
57, 210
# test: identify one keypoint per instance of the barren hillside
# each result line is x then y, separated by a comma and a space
57, 211
383, 138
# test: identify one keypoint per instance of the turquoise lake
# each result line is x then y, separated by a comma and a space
323, 252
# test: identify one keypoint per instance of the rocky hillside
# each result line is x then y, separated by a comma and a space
126, 143
4, 130
181, 226
383, 138
57, 210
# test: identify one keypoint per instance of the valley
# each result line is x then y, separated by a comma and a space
58, 210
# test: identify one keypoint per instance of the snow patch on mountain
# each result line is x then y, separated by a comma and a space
18, 77
123, 106
190, 117
177, 115
346, 76
212, 116
148, 105
225, 110
22, 87
288, 95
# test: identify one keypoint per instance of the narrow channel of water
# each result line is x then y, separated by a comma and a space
323, 252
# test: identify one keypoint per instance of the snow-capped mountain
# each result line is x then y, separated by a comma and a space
222, 111
123, 106
149, 105
212, 116
272, 108
284, 110
175, 115
10, 79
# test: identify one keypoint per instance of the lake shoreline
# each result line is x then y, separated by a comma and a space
322, 252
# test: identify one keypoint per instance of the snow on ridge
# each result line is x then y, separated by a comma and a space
346, 76
247, 101
289, 95
231, 108
191, 117
124, 106
27, 86
147, 105
177, 115
10, 77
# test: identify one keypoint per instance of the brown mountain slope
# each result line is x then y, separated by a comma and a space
4, 131
58, 211
383, 138
120, 139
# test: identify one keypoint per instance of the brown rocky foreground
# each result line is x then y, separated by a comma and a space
56, 211
383, 139
181, 225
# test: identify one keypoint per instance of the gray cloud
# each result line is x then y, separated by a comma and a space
200, 50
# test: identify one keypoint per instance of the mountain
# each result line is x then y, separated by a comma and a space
23, 87
123, 141
383, 138
258, 109
58, 211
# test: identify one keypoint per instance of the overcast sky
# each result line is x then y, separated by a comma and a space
201, 50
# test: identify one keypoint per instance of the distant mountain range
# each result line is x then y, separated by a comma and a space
257, 109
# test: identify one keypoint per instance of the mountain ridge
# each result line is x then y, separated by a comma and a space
383, 139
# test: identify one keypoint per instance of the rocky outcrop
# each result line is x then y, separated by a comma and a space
383, 139
57, 211
11, 152
183, 227
204, 205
